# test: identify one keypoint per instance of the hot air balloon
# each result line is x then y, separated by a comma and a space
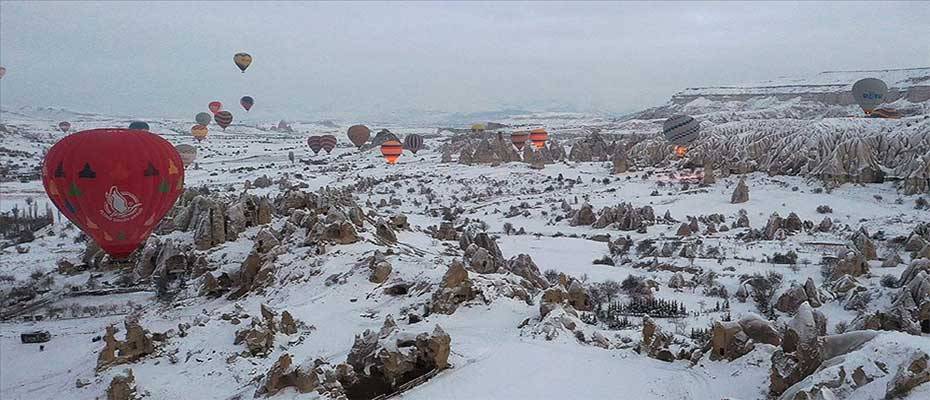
681, 130
314, 143
215, 107
519, 139
199, 132
391, 150
223, 119
413, 142
203, 118
359, 134
2, 72
869, 93
187, 152
539, 137
247, 102
64, 126
477, 128
140, 125
328, 142
290, 156
115, 184
242, 60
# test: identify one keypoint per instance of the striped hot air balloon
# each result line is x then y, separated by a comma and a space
519, 139
539, 137
359, 134
223, 119
187, 152
681, 130
64, 126
199, 132
328, 142
413, 142
391, 150
315, 144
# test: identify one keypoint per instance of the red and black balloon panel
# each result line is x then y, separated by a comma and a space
115, 184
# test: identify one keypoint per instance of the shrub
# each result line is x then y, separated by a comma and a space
605, 260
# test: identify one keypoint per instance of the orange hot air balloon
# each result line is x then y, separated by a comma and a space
391, 150
539, 137
199, 132
680, 151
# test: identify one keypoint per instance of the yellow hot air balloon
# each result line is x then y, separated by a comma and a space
478, 128
242, 60
199, 132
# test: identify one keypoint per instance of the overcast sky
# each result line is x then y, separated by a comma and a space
314, 59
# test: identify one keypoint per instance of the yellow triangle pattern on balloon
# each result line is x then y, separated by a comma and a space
90, 224
107, 237
171, 168
52, 189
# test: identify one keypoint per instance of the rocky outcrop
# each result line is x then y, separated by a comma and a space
584, 216
283, 373
741, 193
731, 340
455, 288
792, 298
122, 387
625, 217
800, 352
912, 373
138, 344
850, 262
383, 361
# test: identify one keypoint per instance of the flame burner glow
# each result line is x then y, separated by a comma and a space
681, 151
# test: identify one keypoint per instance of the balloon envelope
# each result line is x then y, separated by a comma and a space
315, 144
2, 72
247, 102
359, 134
413, 142
681, 130
203, 118
187, 152
869, 93
478, 128
519, 139
64, 126
140, 125
328, 142
539, 137
199, 132
114, 184
215, 107
391, 150
242, 60
223, 119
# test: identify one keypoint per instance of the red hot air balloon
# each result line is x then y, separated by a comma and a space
391, 150
246, 102
314, 143
519, 139
223, 119
328, 142
115, 184
539, 137
64, 126
215, 107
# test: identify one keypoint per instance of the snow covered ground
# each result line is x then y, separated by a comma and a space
494, 353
